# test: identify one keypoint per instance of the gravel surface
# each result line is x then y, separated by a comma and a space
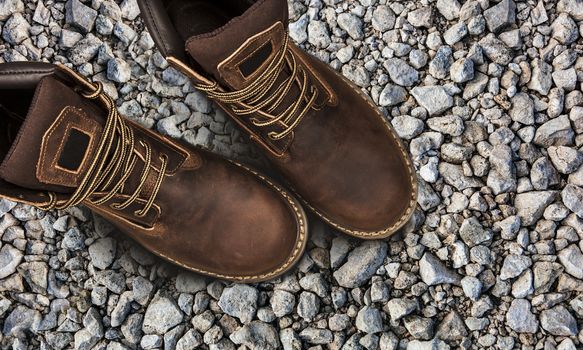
487, 96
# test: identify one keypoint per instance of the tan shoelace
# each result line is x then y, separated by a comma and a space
107, 165
262, 98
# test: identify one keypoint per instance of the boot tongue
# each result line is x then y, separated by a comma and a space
236, 53
56, 141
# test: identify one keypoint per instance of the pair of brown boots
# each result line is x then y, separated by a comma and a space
63, 143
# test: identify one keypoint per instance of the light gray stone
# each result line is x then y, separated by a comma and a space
256, 335
10, 257
369, 320
351, 24
433, 271
10, 7
520, 317
572, 259
522, 110
462, 70
514, 265
497, 51
161, 315
434, 99
401, 72
558, 321
501, 16
362, 263
541, 79
102, 252
240, 301
392, 95
450, 9
79, 15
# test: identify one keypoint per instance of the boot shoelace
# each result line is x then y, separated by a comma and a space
107, 165
260, 97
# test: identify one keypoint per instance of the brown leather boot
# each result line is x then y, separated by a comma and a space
331, 143
63, 143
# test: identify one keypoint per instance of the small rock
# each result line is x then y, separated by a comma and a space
401, 307
400, 72
240, 301
188, 282
282, 302
520, 318
514, 265
564, 29
433, 271
16, 29
473, 233
102, 252
10, 257
383, 18
565, 159
497, 51
422, 17
452, 327
541, 79
434, 344
80, 15
318, 34
522, 110
10, 7
308, 306
256, 335
392, 95
316, 336
500, 16
407, 127
362, 263
450, 9
190, 340
472, 287
351, 24
20, 321
161, 315
572, 259
558, 321
434, 99
530, 206
555, 132
573, 199
462, 70
440, 65
369, 320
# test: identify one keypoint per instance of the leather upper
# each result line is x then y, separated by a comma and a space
342, 159
210, 215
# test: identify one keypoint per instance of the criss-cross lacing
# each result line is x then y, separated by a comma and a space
264, 98
114, 161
